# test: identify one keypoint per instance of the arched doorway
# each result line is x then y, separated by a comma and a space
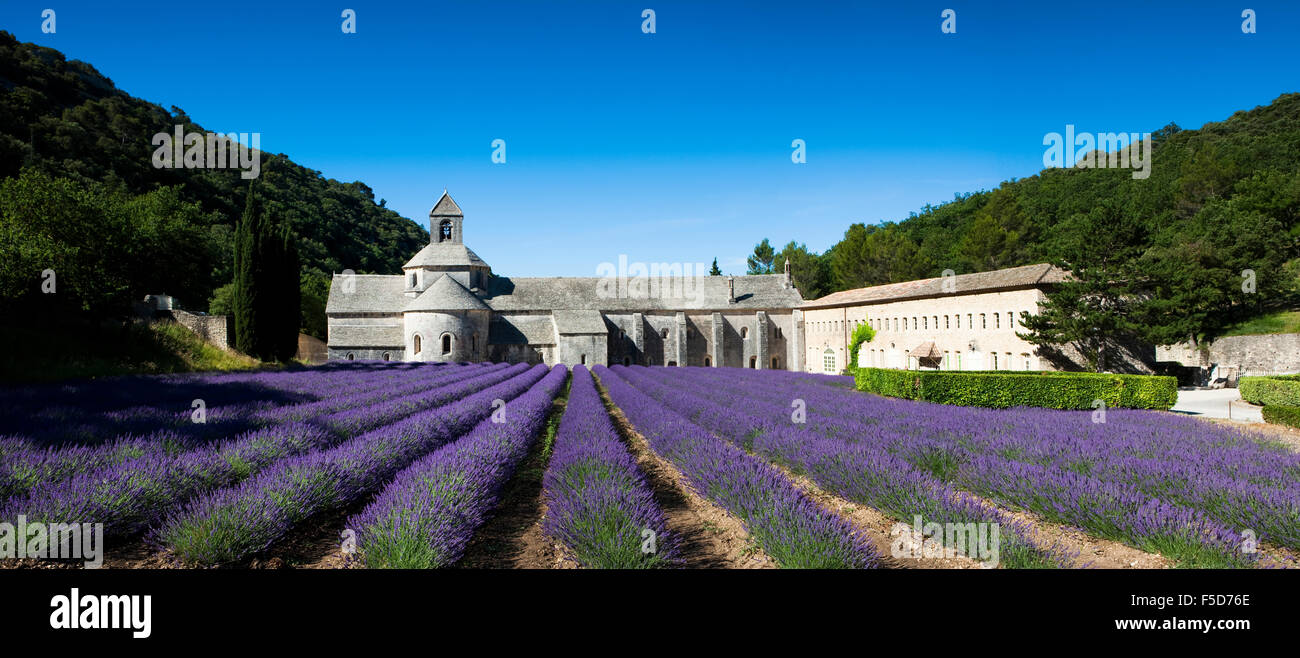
753, 362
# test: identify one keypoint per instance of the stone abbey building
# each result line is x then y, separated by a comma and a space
448, 305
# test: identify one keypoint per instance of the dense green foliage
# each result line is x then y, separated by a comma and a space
1002, 389
76, 165
761, 261
1271, 391
266, 293
1282, 415
1160, 259
93, 349
863, 333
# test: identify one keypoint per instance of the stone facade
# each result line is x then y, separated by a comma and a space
214, 329
970, 319
1238, 356
448, 305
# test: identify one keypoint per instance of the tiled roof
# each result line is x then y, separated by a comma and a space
367, 293
521, 329
446, 294
366, 335
445, 254
962, 284
765, 291
446, 207
579, 322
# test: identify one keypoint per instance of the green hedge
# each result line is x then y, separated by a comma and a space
1282, 415
1001, 389
1282, 391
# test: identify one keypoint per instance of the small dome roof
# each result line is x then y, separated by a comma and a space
446, 294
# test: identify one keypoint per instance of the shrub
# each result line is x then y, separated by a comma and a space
1282, 391
1282, 415
1001, 389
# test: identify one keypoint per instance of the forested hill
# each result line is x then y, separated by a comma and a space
65, 129
1220, 199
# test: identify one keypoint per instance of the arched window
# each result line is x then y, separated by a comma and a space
351, 356
925, 323
753, 362
473, 342
995, 360
775, 364
387, 356
672, 364
984, 324
1011, 320
706, 362
627, 360
446, 343
444, 230
946, 323
997, 321
415, 347
744, 333
664, 333
828, 361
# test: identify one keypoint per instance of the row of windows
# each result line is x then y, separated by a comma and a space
952, 360
926, 323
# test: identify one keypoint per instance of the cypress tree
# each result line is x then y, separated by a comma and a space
246, 296
289, 302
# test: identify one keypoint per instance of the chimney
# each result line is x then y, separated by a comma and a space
731, 289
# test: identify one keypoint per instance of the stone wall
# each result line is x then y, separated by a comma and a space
312, 350
1273, 354
214, 329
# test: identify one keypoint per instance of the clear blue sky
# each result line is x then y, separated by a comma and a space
675, 147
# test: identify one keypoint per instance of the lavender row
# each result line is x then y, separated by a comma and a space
236, 522
27, 466
598, 503
128, 496
1174, 473
791, 527
426, 517
227, 411
861, 473
1045, 460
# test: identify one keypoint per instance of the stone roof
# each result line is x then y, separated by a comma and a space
521, 330
764, 291
1027, 276
446, 207
449, 254
926, 350
370, 293
446, 294
344, 335
579, 322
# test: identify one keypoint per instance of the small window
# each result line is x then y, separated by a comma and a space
664, 333
1011, 320
970, 321
416, 344
925, 323
412, 279
753, 362
946, 323
627, 360
997, 321
995, 360
387, 356
744, 333
957, 318
775, 364
828, 361
584, 359
706, 362
446, 343
351, 356
672, 364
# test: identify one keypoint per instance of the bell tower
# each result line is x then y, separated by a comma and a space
445, 221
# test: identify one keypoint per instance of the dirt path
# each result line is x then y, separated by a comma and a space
513, 537
711, 538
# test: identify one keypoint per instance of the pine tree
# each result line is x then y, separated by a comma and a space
715, 270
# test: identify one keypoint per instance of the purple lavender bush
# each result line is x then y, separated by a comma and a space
791, 527
426, 517
598, 503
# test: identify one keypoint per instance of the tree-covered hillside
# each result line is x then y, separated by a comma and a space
1219, 201
74, 143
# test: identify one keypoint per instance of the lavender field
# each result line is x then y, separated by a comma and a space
384, 465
